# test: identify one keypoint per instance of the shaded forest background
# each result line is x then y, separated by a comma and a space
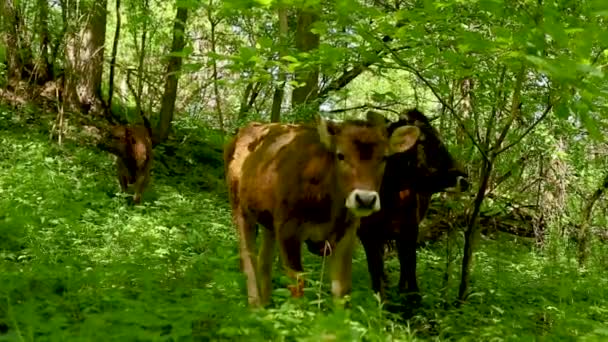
517, 90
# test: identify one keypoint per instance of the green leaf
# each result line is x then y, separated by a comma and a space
562, 110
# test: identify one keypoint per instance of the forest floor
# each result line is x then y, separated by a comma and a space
77, 262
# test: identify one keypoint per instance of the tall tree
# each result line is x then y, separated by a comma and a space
306, 41
279, 91
44, 65
113, 58
172, 76
583, 233
84, 55
11, 30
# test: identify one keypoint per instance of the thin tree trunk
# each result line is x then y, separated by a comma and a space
173, 68
306, 41
216, 90
583, 233
142, 57
113, 58
10, 40
45, 66
472, 232
279, 91
250, 95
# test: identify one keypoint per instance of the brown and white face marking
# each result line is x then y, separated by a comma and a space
361, 149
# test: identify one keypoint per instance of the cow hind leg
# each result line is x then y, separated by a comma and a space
265, 259
246, 229
123, 177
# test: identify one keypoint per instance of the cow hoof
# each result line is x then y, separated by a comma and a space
297, 291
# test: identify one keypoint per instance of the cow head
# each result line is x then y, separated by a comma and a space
114, 140
360, 149
428, 167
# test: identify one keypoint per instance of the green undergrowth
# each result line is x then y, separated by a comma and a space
78, 262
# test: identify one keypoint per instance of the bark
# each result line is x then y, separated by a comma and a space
279, 91
173, 68
113, 58
306, 41
84, 53
583, 233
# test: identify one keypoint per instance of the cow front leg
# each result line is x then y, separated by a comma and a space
246, 229
406, 249
341, 264
265, 259
140, 184
374, 253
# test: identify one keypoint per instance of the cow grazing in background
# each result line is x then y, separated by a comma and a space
410, 179
306, 183
132, 145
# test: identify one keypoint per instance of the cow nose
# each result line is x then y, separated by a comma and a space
363, 202
366, 199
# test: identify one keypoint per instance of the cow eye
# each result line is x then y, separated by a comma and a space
340, 156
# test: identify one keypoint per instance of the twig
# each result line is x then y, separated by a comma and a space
364, 106
436, 93
327, 247
530, 129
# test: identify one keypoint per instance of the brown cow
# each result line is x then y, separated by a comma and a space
410, 179
302, 182
132, 146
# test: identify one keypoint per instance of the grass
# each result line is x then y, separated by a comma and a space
77, 263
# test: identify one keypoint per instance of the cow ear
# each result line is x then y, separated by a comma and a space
376, 119
403, 138
327, 129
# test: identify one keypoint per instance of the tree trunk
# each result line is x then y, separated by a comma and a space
173, 68
113, 58
472, 232
45, 70
471, 235
216, 90
142, 57
249, 97
306, 41
279, 91
583, 233
10, 39
84, 53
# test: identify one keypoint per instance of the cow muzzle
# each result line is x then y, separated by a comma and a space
462, 185
363, 202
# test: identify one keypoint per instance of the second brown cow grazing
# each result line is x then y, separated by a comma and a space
410, 179
132, 145
306, 183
